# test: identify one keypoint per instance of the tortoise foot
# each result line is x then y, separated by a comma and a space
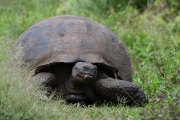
75, 97
138, 98
114, 89
47, 79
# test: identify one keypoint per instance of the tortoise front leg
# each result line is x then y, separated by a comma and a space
112, 89
47, 79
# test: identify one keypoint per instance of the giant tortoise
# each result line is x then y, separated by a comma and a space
79, 59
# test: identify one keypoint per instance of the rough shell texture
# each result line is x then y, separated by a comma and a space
70, 39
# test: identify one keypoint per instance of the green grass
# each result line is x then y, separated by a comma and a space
152, 39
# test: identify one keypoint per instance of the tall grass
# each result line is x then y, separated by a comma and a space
22, 98
152, 39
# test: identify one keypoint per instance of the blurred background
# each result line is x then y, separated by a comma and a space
150, 30
18, 15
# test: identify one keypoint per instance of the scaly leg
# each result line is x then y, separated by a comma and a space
46, 78
112, 89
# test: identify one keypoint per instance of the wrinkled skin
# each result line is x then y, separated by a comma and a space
83, 73
104, 87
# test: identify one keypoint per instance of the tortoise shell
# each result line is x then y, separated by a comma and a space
70, 39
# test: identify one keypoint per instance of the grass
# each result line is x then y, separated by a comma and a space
152, 42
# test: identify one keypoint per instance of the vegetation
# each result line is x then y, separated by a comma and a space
149, 29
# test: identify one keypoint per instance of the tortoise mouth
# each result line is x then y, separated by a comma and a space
84, 77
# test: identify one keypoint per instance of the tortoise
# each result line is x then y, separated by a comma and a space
81, 60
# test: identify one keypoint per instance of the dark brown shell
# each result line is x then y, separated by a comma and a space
71, 39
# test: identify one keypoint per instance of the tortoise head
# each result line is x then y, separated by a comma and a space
84, 72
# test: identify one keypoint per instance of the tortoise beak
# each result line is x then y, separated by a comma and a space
88, 77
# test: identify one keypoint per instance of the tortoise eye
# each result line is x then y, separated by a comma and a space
85, 68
